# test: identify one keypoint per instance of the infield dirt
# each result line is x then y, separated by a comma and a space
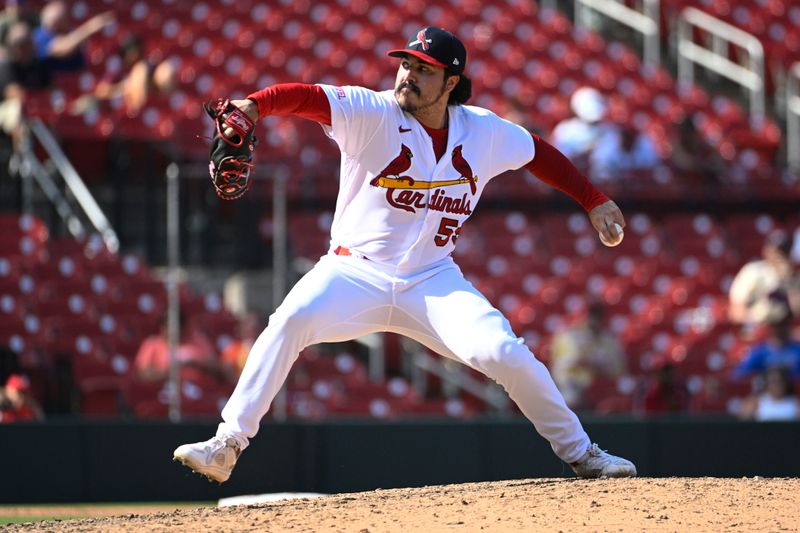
642, 504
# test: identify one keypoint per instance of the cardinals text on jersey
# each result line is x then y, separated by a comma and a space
402, 192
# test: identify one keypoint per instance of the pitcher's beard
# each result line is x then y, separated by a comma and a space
408, 107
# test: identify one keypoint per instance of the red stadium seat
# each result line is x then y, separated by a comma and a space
151, 409
103, 396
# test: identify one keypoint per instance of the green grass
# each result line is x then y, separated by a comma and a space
8, 520
74, 510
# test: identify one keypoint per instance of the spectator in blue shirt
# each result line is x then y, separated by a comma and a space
780, 349
60, 46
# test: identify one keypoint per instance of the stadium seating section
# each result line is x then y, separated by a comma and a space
775, 22
68, 302
522, 59
665, 285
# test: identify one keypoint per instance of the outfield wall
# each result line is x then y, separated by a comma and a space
89, 461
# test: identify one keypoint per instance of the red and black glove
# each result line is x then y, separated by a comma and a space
231, 157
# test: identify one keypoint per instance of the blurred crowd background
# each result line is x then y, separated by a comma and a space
695, 313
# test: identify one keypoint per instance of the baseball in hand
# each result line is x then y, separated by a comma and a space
619, 238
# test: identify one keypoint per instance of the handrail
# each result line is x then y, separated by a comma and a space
716, 58
376, 367
75, 184
173, 288
793, 117
31, 167
486, 392
645, 22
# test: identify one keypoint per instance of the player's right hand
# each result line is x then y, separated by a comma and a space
249, 107
603, 218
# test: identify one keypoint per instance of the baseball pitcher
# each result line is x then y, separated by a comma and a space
414, 163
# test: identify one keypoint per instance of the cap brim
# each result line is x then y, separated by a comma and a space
422, 56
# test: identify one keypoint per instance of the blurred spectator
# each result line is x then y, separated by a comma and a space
776, 400
235, 354
795, 253
16, 402
60, 46
779, 350
134, 79
576, 137
20, 71
17, 11
20, 64
664, 391
585, 351
749, 293
194, 351
514, 110
693, 157
9, 363
622, 152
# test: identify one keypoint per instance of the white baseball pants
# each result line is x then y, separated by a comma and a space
345, 297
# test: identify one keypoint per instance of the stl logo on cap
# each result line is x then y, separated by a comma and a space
421, 40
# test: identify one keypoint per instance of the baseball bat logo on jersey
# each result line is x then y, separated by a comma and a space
402, 192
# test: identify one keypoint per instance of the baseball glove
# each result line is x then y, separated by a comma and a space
231, 157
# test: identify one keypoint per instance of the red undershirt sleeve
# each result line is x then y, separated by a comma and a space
298, 99
553, 168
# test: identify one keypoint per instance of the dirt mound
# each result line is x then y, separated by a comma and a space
652, 504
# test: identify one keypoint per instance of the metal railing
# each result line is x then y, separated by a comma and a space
32, 167
423, 363
793, 117
715, 57
376, 364
173, 287
645, 22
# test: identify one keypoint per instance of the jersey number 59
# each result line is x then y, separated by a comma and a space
448, 228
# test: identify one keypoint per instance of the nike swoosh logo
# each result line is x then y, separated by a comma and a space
404, 130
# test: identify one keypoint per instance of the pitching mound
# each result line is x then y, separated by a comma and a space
675, 504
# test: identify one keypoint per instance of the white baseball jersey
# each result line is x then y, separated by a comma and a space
397, 204
399, 212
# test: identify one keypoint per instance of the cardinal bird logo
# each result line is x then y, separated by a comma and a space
463, 168
397, 166
407, 194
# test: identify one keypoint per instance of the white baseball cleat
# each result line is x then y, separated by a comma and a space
599, 464
214, 458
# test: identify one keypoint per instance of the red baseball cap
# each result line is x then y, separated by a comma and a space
18, 382
437, 47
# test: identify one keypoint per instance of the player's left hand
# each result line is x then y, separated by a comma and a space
603, 218
231, 155
249, 107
